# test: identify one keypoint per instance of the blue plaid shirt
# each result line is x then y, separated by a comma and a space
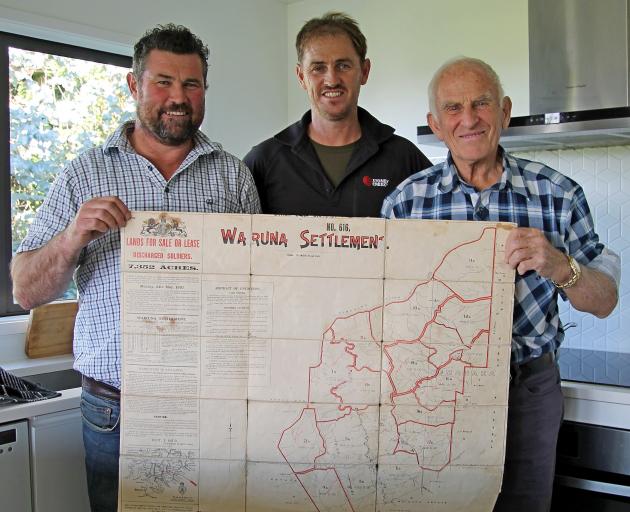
208, 180
529, 194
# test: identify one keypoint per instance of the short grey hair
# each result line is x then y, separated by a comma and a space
467, 61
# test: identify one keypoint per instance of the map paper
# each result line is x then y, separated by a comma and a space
311, 364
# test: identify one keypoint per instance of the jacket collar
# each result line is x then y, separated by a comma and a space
372, 130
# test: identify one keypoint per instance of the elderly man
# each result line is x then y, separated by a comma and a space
338, 159
160, 161
554, 250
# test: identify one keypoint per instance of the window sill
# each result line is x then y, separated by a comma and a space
13, 325
26, 366
12, 356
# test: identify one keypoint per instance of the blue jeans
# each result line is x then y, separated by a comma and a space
101, 438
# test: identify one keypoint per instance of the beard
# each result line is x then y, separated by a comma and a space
171, 132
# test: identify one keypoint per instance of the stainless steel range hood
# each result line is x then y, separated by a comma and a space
585, 128
579, 77
578, 129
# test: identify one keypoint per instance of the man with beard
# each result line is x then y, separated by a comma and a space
160, 161
338, 159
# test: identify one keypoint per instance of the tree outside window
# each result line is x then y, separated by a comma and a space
59, 107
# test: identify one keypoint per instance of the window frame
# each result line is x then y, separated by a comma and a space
8, 40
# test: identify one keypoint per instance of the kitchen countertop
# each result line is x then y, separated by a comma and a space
586, 403
69, 399
596, 404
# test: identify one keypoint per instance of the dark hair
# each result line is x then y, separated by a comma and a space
170, 38
331, 24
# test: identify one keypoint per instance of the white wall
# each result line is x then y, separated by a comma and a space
246, 100
409, 39
253, 91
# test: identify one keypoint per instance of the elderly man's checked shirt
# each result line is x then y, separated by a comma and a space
529, 194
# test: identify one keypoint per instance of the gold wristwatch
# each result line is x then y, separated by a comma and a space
576, 272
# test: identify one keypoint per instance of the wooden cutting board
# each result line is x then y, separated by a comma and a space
50, 329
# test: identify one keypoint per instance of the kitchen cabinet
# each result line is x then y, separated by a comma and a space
53, 430
58, 465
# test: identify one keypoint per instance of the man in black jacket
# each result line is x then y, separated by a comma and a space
338, 159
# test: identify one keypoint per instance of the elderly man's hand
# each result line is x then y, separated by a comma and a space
527, 249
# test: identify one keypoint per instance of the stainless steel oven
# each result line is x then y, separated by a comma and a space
593, 469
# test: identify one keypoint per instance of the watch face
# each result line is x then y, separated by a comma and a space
577, 265
575, 272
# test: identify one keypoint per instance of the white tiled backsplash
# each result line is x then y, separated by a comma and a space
604, 174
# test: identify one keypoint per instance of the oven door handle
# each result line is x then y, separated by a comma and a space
593, 485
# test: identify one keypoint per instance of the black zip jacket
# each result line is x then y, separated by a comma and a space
291, 180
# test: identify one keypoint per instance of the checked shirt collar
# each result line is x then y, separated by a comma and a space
511, 178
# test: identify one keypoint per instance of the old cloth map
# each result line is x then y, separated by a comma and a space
313, 364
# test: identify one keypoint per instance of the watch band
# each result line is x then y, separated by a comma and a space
576, 272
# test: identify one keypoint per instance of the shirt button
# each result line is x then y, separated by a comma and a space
482, 213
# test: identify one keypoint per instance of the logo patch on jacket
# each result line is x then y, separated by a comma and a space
375, 182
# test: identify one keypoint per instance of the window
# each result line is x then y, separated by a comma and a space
61, 101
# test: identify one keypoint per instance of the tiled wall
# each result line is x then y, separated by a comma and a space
604, 174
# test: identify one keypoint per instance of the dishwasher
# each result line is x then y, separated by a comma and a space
15, 471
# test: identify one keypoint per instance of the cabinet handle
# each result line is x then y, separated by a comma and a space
593, 485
